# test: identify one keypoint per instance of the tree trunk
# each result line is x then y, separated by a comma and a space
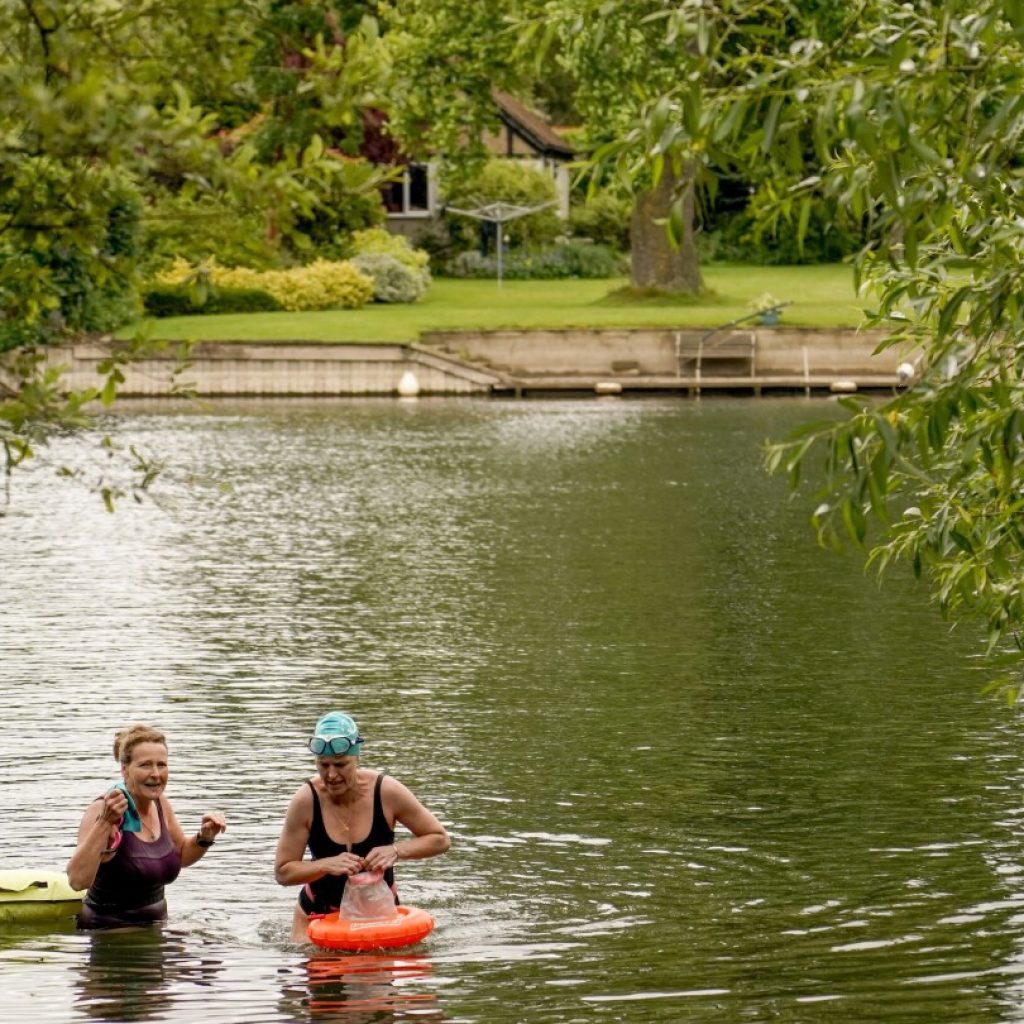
656, 263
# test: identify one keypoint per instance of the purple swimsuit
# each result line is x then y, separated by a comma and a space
129, 888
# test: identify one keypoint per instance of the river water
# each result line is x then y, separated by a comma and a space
694, 768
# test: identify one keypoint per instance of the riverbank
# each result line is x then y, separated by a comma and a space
534, 337
517, 363
818, 296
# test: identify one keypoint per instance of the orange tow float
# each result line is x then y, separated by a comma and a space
331, 931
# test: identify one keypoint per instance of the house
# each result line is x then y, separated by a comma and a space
518, 134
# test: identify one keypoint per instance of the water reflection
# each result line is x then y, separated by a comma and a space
135, 974
363, 989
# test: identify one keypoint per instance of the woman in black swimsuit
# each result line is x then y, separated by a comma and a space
129, 850
346, 816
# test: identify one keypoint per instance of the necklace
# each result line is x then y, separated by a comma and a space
340, 820
149, 831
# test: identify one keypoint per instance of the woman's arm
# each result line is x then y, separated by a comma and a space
430, 837
96, 834
289, 866
189, 847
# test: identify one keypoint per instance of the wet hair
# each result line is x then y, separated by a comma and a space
126, 740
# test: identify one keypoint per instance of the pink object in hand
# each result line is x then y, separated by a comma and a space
366, 878
118, 836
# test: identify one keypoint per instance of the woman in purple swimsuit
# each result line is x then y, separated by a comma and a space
346, 815
128, 850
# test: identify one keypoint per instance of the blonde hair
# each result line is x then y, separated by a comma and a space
126, 740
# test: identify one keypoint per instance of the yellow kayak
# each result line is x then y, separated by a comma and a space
27, 895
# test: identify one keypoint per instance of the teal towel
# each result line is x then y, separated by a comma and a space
130, 822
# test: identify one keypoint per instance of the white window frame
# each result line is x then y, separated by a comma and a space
406, 213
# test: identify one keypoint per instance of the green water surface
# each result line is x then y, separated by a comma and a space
695, 768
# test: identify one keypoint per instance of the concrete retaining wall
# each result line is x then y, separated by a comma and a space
463, 362
654, 353
223, 369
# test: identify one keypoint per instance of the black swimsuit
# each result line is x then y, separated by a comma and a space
324, 895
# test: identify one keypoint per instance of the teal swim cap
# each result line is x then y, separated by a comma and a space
336, 734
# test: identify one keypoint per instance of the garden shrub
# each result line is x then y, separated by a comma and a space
604, 218
204, 228
510, 181
380, 241
344, 205
59, 285
321, 284
434, 238
758, 234
375, 252
741, 239
568, 260
15, 333
393, 281
177, 300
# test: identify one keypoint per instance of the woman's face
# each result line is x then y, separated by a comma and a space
338, 774
145, 775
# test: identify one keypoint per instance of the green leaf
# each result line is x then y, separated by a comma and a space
853, 519
771, 122
803, 222
676, 224
314, 151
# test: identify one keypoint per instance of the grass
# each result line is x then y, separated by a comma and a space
821, 296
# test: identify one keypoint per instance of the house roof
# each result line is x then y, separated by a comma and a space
532, 126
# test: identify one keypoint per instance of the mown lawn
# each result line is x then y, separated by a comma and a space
821, 296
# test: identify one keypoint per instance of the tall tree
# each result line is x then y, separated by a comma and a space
449, 56
622, 60
94, 111
915, 113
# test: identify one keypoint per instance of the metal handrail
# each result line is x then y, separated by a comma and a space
722, 327
742, 319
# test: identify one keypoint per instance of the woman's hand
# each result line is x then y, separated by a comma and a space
380, 858
212, 825
115, 803
98, 836
340, 864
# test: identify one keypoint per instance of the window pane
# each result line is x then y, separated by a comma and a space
391, 194
418, 195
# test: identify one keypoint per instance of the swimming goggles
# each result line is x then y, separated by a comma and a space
333, 746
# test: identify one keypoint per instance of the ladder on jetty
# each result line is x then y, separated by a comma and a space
739, 346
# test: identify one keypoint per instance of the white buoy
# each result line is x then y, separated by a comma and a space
409, 385
843, 387
608, 387
904, 374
